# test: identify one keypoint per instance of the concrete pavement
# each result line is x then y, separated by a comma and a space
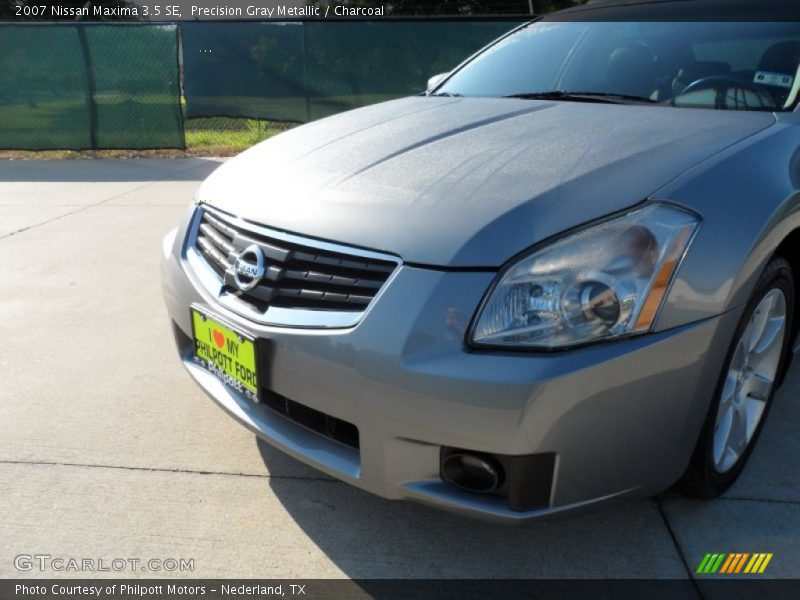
108, 450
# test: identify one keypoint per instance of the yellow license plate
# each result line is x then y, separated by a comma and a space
226, 353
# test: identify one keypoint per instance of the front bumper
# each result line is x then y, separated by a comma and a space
622, 418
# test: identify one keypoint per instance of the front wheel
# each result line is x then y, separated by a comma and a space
747, 385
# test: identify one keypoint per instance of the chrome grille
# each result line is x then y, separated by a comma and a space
297, 276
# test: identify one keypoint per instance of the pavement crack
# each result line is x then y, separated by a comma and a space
73, 212
674, 538
166, 470
100, 203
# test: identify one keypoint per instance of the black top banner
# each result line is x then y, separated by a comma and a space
304, 10
265, 10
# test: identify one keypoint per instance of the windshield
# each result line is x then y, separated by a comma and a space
741, 66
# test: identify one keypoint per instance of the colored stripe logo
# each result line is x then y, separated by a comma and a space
733, 563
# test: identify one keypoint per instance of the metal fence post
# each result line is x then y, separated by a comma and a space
90, 85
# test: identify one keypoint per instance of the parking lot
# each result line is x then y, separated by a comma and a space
108, 450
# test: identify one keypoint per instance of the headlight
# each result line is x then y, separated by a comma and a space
603, 282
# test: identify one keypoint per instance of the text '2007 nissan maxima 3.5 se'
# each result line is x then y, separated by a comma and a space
563, 275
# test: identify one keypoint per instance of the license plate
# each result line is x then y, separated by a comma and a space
226, 353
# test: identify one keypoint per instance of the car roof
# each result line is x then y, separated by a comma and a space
681, 10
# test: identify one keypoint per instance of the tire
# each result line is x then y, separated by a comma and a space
742, 398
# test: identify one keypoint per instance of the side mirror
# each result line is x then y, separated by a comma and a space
436, 80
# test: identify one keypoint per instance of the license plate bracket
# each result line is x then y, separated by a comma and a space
226, 352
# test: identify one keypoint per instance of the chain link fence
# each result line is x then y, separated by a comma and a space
89, 87
211, 87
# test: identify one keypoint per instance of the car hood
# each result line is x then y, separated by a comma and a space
467, 182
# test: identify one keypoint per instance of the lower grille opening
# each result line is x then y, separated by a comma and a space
330, 427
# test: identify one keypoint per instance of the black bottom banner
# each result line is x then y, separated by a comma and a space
214, 589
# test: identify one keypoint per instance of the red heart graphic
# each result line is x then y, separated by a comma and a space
219, 339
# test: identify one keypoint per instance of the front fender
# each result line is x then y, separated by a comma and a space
748, 198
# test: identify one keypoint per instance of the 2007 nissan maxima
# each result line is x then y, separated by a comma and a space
563, 275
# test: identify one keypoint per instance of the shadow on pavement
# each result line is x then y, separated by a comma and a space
107, 170
369, 537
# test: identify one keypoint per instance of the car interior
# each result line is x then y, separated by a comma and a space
682, 66
684, 75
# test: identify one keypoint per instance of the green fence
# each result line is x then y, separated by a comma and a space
81, 86
89, 87
304, 71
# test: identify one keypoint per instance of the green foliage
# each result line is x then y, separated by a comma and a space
221, 136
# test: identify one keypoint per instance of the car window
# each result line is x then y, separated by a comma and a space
743, 66
517, 62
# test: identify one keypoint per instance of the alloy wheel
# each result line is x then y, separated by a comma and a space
749, 381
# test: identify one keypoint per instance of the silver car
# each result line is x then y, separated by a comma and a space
563, 275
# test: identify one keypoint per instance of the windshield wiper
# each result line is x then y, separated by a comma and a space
447, 94
606, 97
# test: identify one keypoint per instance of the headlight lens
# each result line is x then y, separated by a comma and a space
603, 282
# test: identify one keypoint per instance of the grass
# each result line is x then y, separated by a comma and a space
226, 136
204, 137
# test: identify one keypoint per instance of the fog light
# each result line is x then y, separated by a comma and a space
472, 472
